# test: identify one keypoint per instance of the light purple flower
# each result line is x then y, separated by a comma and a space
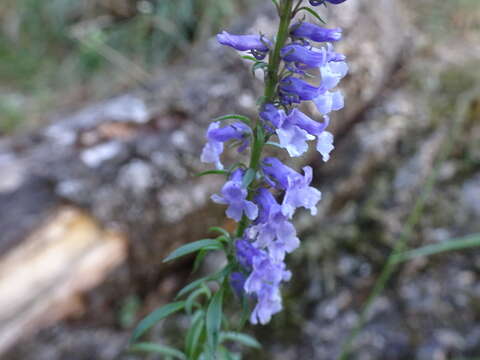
332, 72
293, 90
325, 145
313, 128
315, 32
234, 195
264, 282
302, 55
298, 192
272, 229
293, 139
273, 115
217, 135
328, 102
237, 283
213, 149
243, 42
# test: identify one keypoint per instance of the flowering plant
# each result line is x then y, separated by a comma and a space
261, 197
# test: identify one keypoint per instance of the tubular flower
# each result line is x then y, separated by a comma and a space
216, 136
234, 195
315, 32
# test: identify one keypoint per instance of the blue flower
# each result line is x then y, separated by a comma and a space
217, 135
314, 128
298, 192
264, 282
272, 230
332, 72
329, 101
273, 115
315, 32
303, 56
237, 282
234, 195
294, 90
320, 2
257, 44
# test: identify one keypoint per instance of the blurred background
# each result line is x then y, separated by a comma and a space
103, 107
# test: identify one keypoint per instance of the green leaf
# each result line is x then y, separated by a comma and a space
248, 177
451, 245
241, 338
189, 248
272, 143
212, 172
242, 118
158, 349
313, 13
204, 290
194, 335
248, 57
198, 259
154, 317
219, 230
196, 283
214, 320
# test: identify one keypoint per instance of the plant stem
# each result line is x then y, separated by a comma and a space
271, 83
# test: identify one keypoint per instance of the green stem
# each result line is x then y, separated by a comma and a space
271, 83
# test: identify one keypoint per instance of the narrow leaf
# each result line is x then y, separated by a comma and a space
219, 230
242, 118
248, 57
204, 290
214, 320
194, 334
158, 349
451, 245
241, 338
194, 284
155, 317
313, 13
212, 172
193, 247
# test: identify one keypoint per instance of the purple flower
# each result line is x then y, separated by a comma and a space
329, 101
243, 42
320, 2
315, 32
312, 127
295, 89
332, 72
325, 145
237, 282
293, 139
217, 135
306, 123
273, 115
234, 195
213, 149
298, 192
272, 230
300, 54
264, 282
245, 252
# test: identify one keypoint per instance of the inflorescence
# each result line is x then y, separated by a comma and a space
264, 203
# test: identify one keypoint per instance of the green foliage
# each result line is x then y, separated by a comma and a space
158, 349
51, 50
210, 244
154, 317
